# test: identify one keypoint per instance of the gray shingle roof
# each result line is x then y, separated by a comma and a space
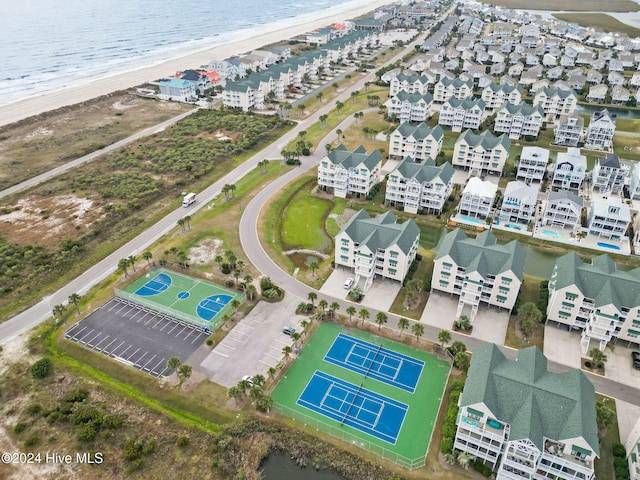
341, 156
566, 194
599, 280
382, 231
483, 251
424, 172
535, 402
420, 131
484, 139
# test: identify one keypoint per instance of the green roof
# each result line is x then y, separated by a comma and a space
485, 139
483, 254
496, 87
465, 103
552, 92
349, 160
536, 403
523, 108
456, 82
420, 131
599, 280
381, 232
424, 172
414, 97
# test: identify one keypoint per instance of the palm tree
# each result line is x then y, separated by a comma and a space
232, 189
173, 363
184, 372
323, 305
381, 319
147, 255
418, 330
74, 299
123, 263
132, 259
264, 403
225, 318
295, 336
301, 107
312, 296
363, 314
219, 259
302, 133
457, 347
313, 266
461, 360
246, 281
235, 303
243, 385
181, 222
403, 324
258, 380
351, 311
236, 275
235, 393
333, 308
305, 325
187, 220
319, 96
444, 336
328, 147
58, 310
272, 372
323, 120
251, 291
255, 393
286, 351
339, 133
339, 107
465, 460
598, 357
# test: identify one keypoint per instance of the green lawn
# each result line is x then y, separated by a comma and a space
603, 466
424, 273
628, 125
303, 221
627, 147
415, 433
570, 5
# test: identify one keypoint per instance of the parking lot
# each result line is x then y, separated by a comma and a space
254, 344
137, 336
380, 295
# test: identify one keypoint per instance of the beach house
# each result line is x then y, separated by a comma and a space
478, 271
481, 154
518, 204
409, 83
178, 90
563, 209
569, 130
555, 102
476, 201
447, 88
419, 187
495, 95
517, 121
418, 142
570, 170
349, 173
609, 174
609, 218
377, 247
601, 129
526, 422
595, 298
533, 164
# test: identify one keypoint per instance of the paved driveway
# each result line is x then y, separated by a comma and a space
254, 344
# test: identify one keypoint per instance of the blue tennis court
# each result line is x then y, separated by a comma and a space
156, 285
210, 306
375, 361
352, 405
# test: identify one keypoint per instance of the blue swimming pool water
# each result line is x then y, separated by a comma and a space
472, 220
608, 245
515, 226
550, 233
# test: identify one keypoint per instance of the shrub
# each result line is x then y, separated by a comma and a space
34, 409
446, 445
20, 427
88, 432
588, 364
619, 450
226, 268
42, 368
209, 342
482, 469
182, 441
31, 440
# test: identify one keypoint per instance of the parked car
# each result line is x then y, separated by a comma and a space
635, 356
288, 330
348, 282
249, 379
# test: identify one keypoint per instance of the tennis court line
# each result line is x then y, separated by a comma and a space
335, 355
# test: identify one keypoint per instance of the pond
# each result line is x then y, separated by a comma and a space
279, 466
621, 112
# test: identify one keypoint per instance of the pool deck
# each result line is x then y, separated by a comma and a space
505, 227
590, 241
468, 221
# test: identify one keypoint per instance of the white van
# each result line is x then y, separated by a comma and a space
189, 199
348, 282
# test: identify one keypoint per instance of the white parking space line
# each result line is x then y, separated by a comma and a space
156, 365
219, 353
115, 349
198, 338
108, 345
177, 335
87, 334
150, 360
90, 342
129, 357
75, 335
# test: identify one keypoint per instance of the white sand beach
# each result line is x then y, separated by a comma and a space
75, 94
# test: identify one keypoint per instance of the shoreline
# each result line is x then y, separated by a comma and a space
89, 89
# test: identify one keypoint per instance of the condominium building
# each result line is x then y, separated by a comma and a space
533, 164
419, 187
601, 129
634, 183
476, 201
478, 270
563, 209
409, 83
495, 95
481, 154
377, 247
459, 114
609, 175
555, 102
447, 88
418, 142
519, 121
349, 173
597, 298
410, 107
526, 422
570, 170
632, 446
609, 218
569, 130
518, 204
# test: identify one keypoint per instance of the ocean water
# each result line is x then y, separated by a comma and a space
50, 44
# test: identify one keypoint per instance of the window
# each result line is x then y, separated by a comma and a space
447, 266
444, 283
506, 281
344, 258
571, 296
393, 263
345, 241
393, 254
447, 275
504, 290
392, 271
501, 299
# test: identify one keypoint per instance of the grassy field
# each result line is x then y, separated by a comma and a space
570, 5
414, 436
627, 147
529, 292
628, 125
600, 20
603, 466
303, 221
424, 273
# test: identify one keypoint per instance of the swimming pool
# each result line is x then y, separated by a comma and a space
470, 220
608, 245
550, 233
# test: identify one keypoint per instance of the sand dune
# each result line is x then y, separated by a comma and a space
76, 94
